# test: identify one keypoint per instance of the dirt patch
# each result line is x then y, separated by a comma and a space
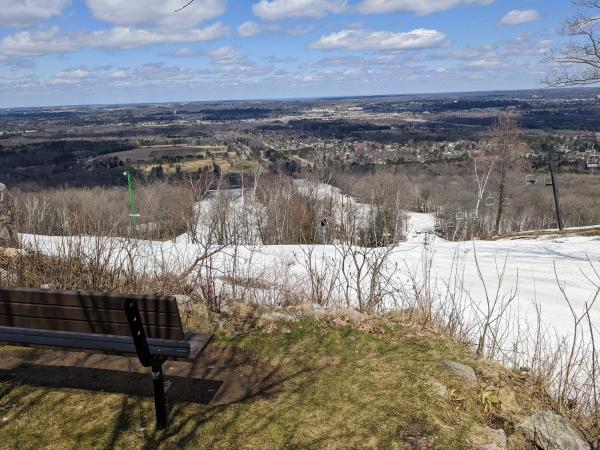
221, 375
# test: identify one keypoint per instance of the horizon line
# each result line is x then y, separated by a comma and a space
299, 99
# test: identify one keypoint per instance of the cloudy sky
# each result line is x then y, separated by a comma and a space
56, 52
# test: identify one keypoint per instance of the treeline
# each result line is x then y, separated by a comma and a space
64, 162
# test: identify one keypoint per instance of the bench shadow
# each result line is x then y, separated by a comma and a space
183, 389
222, 378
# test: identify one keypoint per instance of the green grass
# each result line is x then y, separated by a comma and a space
331, 387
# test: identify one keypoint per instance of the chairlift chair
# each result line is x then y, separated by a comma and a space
475, 214
593, 161
460, 215
548, 181
450, 225
507, 201
490, 201
530, 179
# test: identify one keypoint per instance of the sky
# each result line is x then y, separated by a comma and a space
64, 52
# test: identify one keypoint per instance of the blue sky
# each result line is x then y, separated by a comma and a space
56, 52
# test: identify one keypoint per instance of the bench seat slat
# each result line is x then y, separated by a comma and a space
84, 326
97, 314
161, 304
189, 348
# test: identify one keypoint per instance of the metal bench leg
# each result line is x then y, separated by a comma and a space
148, 360
160, 402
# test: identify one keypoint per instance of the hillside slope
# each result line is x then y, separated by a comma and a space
274, 380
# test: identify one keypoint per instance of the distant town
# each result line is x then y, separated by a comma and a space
88, 145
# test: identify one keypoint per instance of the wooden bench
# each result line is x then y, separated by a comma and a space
146, 326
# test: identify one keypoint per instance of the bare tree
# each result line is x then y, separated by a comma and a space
579, 59
504, 148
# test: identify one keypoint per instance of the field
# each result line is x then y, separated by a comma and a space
190, 158
158, 152
192, 166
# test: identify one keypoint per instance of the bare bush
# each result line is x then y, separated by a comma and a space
165, 211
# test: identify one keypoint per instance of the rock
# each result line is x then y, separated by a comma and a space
319, 310
441, 390
460, 370
551, 431
487, 438
275, 315
491, 446
500, 436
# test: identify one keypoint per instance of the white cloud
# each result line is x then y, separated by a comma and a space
28, 43
226, 56
119, 74
420, 7
187, 53
285, 9
159, 13
280, 60
360, 40
158, 71
248, 29
233, 64
21, 13
72, 76
491, 62
518, 17
128, 37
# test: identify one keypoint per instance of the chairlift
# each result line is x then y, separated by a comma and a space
460, 215
475, 214
450, 225
548, 181
507, 201
593, 161
530, 179
490, 201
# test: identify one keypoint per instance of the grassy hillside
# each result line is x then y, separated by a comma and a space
336, 381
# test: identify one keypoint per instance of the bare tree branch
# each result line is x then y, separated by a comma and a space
185, 6
580, 58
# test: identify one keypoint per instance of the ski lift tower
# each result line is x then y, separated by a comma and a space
134, 214
551, 161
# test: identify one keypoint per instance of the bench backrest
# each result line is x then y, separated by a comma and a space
87, 312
